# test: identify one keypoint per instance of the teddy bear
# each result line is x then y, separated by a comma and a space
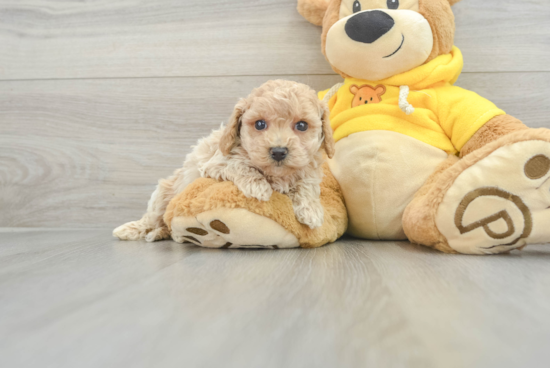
427, 161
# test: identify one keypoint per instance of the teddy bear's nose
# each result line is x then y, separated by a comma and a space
369, 26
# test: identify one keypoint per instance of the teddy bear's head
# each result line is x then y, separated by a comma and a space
376, 39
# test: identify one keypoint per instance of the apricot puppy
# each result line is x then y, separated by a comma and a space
274, 140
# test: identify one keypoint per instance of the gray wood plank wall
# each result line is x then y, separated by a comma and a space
99, 99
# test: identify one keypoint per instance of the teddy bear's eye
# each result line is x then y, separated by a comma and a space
356, 6
393, 4
260, 125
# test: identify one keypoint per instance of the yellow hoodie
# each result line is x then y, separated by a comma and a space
445, 116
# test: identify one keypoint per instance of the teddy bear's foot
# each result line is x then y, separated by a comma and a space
231, 228
501, 203
497, 199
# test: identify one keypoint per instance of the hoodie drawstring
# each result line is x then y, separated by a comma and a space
404, 104
332, 92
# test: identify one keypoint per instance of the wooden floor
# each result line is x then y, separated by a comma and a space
81, 299
99, 99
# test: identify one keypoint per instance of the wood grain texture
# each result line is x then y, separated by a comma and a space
44, 39
82, 299
88, 153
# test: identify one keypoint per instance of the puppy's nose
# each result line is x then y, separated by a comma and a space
369, 26
278, 153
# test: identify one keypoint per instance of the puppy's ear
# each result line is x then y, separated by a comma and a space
231, 133
328, 140
453, 2
313, 10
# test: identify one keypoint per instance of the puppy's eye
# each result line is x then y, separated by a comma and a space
260, 125
357, 6
393, 4
301, 126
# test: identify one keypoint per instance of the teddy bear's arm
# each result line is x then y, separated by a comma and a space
462, 113
495, 128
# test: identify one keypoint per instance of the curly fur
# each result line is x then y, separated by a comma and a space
240, 153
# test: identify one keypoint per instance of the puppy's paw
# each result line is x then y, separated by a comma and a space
134, 230
256, 188
311, 215
161, 233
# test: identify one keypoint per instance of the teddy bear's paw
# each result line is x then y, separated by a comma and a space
231, 228
500, 203
311, 215
134, 230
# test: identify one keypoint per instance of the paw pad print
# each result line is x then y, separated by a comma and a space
220, 227
537, 167
204, 237
231, 228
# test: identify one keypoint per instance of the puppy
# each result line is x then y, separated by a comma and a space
274, 140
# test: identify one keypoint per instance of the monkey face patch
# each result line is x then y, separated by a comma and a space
366, 94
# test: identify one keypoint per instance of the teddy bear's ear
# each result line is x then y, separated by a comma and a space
354, 89
453, 1
313, 10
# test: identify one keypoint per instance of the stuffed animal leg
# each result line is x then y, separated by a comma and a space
494, 200
216, 214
